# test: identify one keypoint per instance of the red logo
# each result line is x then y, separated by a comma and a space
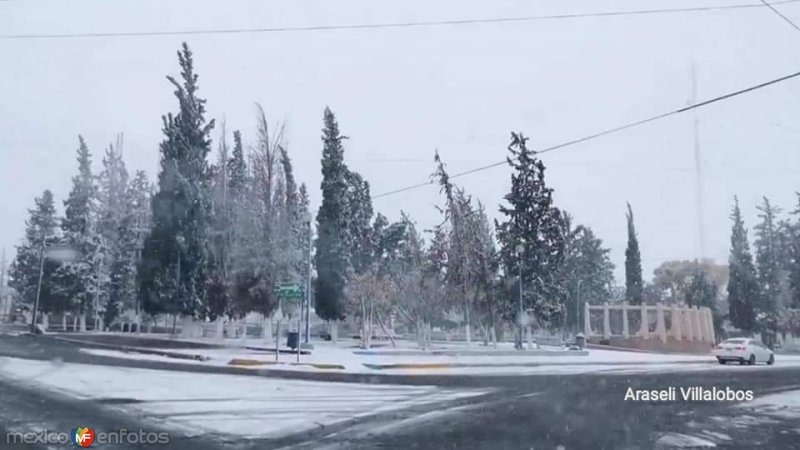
82, 437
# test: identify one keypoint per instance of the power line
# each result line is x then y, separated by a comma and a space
773, 9
607, 132
420, 24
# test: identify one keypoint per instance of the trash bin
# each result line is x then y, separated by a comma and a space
580, 340
292, 339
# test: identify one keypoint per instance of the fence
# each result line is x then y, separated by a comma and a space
690, 328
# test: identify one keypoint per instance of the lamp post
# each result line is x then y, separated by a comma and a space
578, 308
520, 249
307, 312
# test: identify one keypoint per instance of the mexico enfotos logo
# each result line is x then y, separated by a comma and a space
86, 437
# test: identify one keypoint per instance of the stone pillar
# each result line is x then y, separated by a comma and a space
711, 332
606, 322
587, 324
701, 319
661, 327
687, 317
696, 317
219, 328
677, 317
644, 328
625, 331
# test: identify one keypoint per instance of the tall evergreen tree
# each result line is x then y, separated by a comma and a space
331, 258
533, 223
633, 264
80, 279
461, 271
139, 193
768, 267
588, 271
40, 233
116, 228
172, 276
742, 283
794, 257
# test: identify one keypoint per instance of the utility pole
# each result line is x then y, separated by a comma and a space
698, 166
38, 288
308, 284
3, 304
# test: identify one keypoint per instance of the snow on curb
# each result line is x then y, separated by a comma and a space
127, 349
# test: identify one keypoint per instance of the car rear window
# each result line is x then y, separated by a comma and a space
735, 341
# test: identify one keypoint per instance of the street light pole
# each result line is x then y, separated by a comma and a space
578, 308
520, 250
179, 240
308, 283
38, 289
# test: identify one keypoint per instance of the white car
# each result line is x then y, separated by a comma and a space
745, 351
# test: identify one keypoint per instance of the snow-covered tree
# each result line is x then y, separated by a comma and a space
172, 275
742, 288
588, 271
40, 232
117, 229
80, 279
332, 255
768, 266
532, 224
633, 264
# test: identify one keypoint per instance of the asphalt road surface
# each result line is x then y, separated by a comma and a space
521, 412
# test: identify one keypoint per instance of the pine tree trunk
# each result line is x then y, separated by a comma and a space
493, 335
74, 323
64, 322
334, 331
82, 320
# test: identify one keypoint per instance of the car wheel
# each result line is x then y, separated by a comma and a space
771, 360
752, 360
721, 361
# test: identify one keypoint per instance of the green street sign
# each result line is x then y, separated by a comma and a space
290, 291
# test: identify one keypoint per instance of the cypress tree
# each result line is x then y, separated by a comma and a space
633, 264
172, 275
742, 282
331, 258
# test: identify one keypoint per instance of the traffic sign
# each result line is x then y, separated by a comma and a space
290, 291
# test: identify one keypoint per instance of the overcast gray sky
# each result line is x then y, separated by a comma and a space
401, 93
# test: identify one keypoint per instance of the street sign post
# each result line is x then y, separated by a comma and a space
293, 294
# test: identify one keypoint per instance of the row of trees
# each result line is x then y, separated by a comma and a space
762, 290
214, 235
106, 216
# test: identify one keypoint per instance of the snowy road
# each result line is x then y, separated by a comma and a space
44, 384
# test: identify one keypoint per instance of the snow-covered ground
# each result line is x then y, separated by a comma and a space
327, 357
784, 405
231, 404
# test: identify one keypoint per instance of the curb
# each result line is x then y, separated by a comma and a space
128, 349
255, 362
532, 364
520, 353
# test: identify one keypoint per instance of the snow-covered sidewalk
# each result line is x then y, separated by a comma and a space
230, 404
